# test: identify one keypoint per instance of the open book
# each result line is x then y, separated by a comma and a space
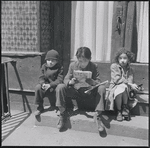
81, 77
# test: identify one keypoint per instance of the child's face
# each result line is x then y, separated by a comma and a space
51, 62
123, 59
83, 62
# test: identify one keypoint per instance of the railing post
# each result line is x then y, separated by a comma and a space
7, 87
2, 102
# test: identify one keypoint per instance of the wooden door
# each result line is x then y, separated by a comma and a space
118, 26
124, 33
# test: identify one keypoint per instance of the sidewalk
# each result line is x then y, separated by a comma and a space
20, 130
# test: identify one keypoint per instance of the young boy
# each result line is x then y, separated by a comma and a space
50, 78
72, 90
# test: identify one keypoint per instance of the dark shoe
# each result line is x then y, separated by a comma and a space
98, 121
119, 116
61, 121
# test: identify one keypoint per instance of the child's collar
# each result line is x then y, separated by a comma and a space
51, 67
85, 67
127, 67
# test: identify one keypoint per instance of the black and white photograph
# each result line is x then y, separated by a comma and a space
75, 73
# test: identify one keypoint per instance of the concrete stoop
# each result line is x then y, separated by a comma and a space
137, 127
27, 104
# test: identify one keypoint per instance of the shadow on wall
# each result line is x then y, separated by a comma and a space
24, 98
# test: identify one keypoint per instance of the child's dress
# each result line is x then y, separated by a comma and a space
118, 84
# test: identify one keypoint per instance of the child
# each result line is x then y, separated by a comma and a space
121, 81
97, 95
50, 79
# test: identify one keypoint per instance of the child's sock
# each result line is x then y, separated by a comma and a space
61, 109
75, 105
98, 112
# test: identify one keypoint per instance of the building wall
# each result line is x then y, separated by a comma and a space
19, 22
32, 27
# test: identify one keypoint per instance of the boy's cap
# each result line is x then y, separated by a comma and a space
52, 54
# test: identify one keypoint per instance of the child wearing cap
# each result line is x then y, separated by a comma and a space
50, 78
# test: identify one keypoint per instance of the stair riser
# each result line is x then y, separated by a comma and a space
88, 126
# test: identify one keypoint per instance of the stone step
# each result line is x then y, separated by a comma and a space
137, 127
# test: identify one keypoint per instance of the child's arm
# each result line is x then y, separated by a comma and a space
116, 76
42, 76
69, 75
95, 75
131, 80
130, 76
59, 79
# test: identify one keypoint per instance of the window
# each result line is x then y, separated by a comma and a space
91, 26
142, 15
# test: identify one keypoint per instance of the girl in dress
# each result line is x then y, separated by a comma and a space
120, 84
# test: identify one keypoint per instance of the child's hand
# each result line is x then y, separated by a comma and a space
134, 86
45, 86
89, 92
91, 81
72, 81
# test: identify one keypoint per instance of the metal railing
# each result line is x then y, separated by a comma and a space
5, 101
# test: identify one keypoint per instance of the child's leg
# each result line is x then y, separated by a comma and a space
75, 105
100, 97
125, 110
73, 95
118, 103
125, 97
61, 104
39, 94
60, 97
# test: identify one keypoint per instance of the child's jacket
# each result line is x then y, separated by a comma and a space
118, 81
52, 76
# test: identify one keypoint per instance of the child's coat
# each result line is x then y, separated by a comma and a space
118, 83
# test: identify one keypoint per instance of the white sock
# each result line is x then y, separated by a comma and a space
98, 112
61, 109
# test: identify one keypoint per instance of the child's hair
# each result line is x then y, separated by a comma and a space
83, 52
130, 55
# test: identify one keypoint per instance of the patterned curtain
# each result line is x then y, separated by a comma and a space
92, 27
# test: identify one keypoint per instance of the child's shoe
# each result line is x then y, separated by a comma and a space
125, 111
98, 121
119, 116
38, 112
61, 121
75, 108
